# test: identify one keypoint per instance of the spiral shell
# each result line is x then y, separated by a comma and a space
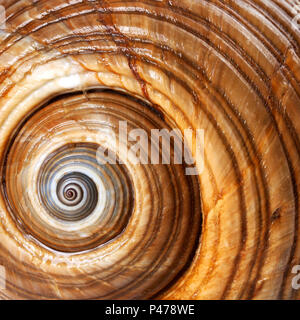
73, 227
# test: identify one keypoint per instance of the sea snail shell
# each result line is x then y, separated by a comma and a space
73, 228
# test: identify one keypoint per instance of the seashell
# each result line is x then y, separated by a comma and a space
74, 225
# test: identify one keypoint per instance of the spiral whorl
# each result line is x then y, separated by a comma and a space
126, 222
